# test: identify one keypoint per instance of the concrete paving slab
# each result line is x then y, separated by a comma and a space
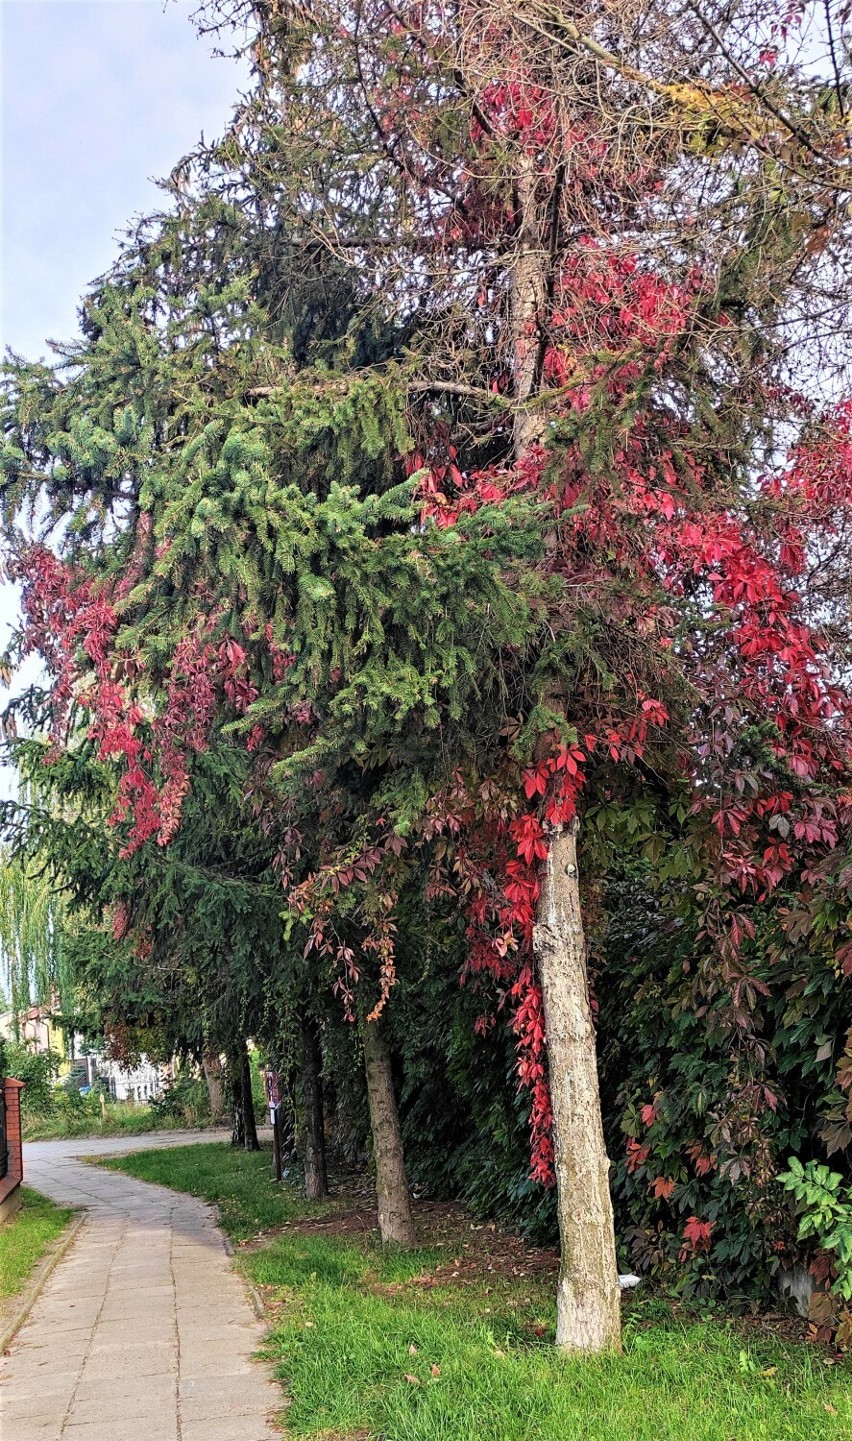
154, 1329
155, 1428
239, 1428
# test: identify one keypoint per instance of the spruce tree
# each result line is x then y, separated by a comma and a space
432, 444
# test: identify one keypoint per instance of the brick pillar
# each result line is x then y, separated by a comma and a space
13, 1091
10, 1186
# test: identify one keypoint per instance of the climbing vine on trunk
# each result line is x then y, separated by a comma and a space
451, 445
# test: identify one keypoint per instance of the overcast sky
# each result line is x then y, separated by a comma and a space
99, 98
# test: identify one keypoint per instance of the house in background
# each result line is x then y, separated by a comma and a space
81, 1066
144, 1082
35, 1028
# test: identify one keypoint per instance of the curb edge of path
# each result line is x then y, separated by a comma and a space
248, 1286
43, 1273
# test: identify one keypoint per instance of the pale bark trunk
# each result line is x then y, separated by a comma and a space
529, 291
395, 1223
316, 1178
213, 1075
588, 1296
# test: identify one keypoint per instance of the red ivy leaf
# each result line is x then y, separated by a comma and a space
662, 1187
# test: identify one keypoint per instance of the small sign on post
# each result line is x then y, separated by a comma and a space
272, 1089
273, 1093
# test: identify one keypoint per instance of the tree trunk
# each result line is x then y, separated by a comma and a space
286, 1114
238, 1127
394, 1204
244, 1133
212, 1066
250, 1141
316, 1178
588, 1311
529, 292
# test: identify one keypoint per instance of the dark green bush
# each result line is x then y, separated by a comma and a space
700, 1117
38, 1070
183, 1100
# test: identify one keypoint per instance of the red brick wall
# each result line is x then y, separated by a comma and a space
14, 1175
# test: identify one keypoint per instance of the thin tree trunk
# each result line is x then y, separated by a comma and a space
287, 1119
211, 1064
316, 1177
238, 1127
250, 1141
588, 1311
529, 291
395, 1223
588, 1299
244, 1133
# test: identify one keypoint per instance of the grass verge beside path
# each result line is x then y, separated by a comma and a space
445, 1344
25, 1239
118, 1118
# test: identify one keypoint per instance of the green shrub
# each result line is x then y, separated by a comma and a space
38, 1071
700, 1118
825, 1216
184, 1100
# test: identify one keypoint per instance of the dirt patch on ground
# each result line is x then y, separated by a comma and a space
788, 1328
477, 1253
358, 1222
480, 1254
476, 1250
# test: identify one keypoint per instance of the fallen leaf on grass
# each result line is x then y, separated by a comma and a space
412, 1380
436, 1371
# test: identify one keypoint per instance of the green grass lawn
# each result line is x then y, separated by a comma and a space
118, 1118
26, 1238
398, 1347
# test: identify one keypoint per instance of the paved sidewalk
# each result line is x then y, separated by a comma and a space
143, 1332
